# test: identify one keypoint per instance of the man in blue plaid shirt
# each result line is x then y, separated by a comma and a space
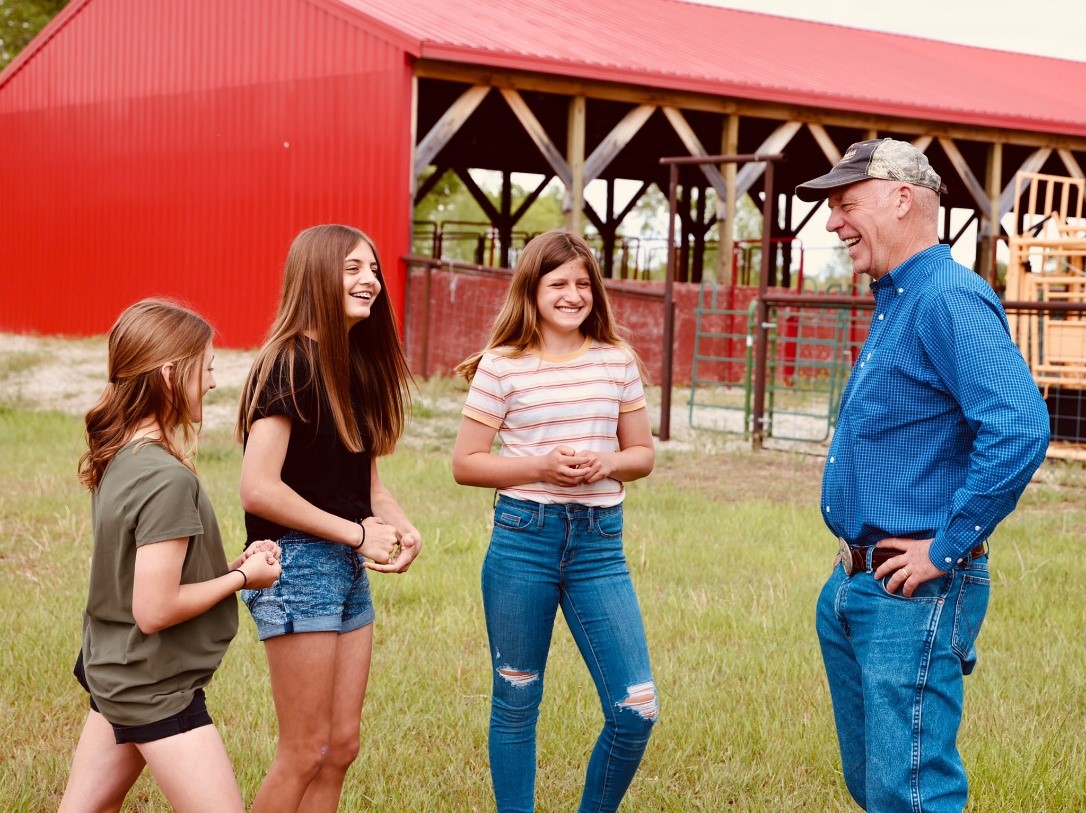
941, 427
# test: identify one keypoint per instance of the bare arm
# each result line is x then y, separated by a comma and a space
636, 454
159, 600
474, 465
386, 507
264, 493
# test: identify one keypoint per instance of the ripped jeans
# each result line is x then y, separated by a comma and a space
540, 557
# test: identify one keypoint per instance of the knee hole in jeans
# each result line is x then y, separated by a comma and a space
517, 677
641, 699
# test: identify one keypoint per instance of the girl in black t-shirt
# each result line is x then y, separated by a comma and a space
325, 398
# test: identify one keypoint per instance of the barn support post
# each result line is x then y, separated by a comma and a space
988, 235
575, 159
725, 268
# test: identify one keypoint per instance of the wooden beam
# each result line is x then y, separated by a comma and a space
729, 145
613, 91
430, 183
822, 138
922, 142
531, 198
616, 141
1072, 165
693, 145
990, 225
412, 172
993, 184
1033, 163
776, 142
574, 196
447, 126
965, 225
539, 135
974, 187
480, 196
632, 202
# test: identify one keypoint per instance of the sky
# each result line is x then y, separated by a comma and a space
1048, 27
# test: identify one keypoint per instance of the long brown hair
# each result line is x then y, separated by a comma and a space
370, 353
517, 330
147, 336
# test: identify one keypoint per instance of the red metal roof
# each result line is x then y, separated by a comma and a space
745, 55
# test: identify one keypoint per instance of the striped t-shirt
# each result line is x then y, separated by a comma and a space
539, 402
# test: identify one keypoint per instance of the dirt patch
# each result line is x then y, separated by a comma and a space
69, 375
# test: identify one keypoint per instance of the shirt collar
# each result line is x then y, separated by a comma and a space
913, 270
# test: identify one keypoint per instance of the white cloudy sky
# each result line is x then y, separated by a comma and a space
1048, 27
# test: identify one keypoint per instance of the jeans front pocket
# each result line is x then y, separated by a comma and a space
513, 518
609, 523
969, 612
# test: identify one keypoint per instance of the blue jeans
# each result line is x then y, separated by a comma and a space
323, 588
895, 667
540, 557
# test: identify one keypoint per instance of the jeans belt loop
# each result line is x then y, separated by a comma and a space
541, 516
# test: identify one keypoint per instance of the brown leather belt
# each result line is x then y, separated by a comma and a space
855, 559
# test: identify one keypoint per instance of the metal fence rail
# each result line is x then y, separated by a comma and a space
811, 344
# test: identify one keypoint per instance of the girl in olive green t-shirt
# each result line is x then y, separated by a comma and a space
160, 607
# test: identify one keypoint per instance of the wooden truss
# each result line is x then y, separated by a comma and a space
1048, 265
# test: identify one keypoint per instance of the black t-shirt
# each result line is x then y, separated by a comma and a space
317, 465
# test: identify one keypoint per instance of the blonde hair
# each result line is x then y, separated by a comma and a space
147, 336
517, 331
370, 353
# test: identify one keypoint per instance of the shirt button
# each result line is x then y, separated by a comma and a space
901, 290
881, 315
827, 509
832, 459
948, 560
861, 364
976, 527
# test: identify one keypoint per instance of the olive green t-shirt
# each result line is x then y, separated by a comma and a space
145, 496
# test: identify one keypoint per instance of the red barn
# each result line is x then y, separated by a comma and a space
176, 148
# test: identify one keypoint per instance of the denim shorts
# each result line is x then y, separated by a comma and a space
192, 717
323, 588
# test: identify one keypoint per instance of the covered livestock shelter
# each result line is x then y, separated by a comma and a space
176, 148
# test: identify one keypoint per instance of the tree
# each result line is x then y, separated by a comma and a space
20, 22
465, 228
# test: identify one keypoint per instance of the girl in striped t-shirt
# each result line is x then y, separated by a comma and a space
563, 392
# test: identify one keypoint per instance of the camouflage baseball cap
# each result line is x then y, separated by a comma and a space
883, 158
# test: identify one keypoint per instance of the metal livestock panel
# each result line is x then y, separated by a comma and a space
176, 148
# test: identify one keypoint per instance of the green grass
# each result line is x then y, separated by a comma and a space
728, 553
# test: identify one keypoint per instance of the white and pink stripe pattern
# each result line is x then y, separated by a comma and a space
538, 402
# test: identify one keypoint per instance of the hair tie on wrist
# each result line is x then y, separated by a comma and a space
361, 541
244, 578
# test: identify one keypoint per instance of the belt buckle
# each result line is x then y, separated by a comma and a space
846, 556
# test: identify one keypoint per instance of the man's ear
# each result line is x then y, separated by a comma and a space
167, 374
903, 200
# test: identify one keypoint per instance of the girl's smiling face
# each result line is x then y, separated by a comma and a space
564, 299
361, 285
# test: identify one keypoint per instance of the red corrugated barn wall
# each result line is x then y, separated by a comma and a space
176, 148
